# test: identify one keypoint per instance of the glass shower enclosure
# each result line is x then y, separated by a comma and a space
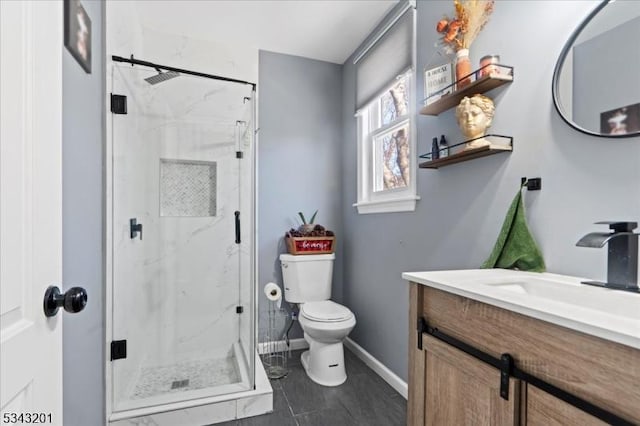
182, 296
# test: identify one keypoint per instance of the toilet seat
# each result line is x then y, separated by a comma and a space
325, 311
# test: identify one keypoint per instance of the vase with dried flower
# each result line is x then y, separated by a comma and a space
458, 33
463, 68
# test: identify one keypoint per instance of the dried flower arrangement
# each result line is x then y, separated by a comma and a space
309, 229
310, 238
470, 18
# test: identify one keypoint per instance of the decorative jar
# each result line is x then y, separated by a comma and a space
487, 65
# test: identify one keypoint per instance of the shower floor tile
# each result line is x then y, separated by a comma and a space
185, 376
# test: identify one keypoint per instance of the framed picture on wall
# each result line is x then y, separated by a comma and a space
621, 120
438, 81
77, 33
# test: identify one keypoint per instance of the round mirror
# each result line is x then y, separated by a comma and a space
596, 88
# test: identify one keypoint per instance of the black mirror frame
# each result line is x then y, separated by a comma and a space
556, 72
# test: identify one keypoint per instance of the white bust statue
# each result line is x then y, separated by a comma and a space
474, 115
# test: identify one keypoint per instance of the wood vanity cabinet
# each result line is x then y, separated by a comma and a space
546, 410
460, 390
450, 387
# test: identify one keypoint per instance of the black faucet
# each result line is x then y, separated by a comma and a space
622, 264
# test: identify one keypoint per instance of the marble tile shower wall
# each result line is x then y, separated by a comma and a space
176, 289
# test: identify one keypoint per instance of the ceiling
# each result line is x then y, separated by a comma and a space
327, 30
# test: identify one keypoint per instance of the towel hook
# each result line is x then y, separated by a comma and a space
532, 184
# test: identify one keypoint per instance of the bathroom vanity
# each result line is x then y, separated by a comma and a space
506, 347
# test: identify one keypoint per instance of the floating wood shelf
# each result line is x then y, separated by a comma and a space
481, 85
470, 154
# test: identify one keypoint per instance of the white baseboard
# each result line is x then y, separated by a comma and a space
379, 368
281, 345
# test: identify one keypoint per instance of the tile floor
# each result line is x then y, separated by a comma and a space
187, 375
364, 399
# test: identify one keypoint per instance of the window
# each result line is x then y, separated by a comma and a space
385, 103
389, 127
386, 151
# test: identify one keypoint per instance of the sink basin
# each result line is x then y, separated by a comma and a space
563, 300
612, 302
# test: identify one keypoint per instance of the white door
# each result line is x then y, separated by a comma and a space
30, 210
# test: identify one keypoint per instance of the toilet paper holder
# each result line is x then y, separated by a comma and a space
275, 351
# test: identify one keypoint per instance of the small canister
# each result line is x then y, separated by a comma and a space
487, 65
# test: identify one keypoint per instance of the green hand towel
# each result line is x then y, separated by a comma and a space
515, 247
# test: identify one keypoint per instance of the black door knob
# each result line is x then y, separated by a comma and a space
74, 300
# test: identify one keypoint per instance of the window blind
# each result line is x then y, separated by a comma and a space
389, 56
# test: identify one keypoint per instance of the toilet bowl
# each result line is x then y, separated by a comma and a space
325, 324
307, 283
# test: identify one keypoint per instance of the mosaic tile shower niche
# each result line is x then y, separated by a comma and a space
187, 188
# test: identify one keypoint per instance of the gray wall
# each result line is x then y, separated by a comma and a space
299, 155
585, 179
82, 153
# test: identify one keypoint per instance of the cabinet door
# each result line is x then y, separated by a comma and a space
544, 409
461, 390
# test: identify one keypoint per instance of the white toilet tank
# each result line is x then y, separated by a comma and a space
307, 278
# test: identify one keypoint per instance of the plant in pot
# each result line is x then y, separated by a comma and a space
310, 238
307, 227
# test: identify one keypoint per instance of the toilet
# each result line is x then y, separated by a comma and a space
307, 282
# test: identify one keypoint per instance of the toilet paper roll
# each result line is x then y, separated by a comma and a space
273, 293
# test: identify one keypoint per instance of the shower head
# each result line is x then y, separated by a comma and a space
161, 76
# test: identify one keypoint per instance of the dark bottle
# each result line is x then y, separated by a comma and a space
434, 149
443, 148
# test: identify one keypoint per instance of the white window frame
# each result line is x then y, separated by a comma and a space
391, 200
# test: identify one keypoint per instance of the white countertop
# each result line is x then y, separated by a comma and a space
559, 299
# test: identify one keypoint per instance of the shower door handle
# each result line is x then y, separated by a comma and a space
135, 228
237, 214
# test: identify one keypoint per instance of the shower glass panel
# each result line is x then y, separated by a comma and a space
182, 280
